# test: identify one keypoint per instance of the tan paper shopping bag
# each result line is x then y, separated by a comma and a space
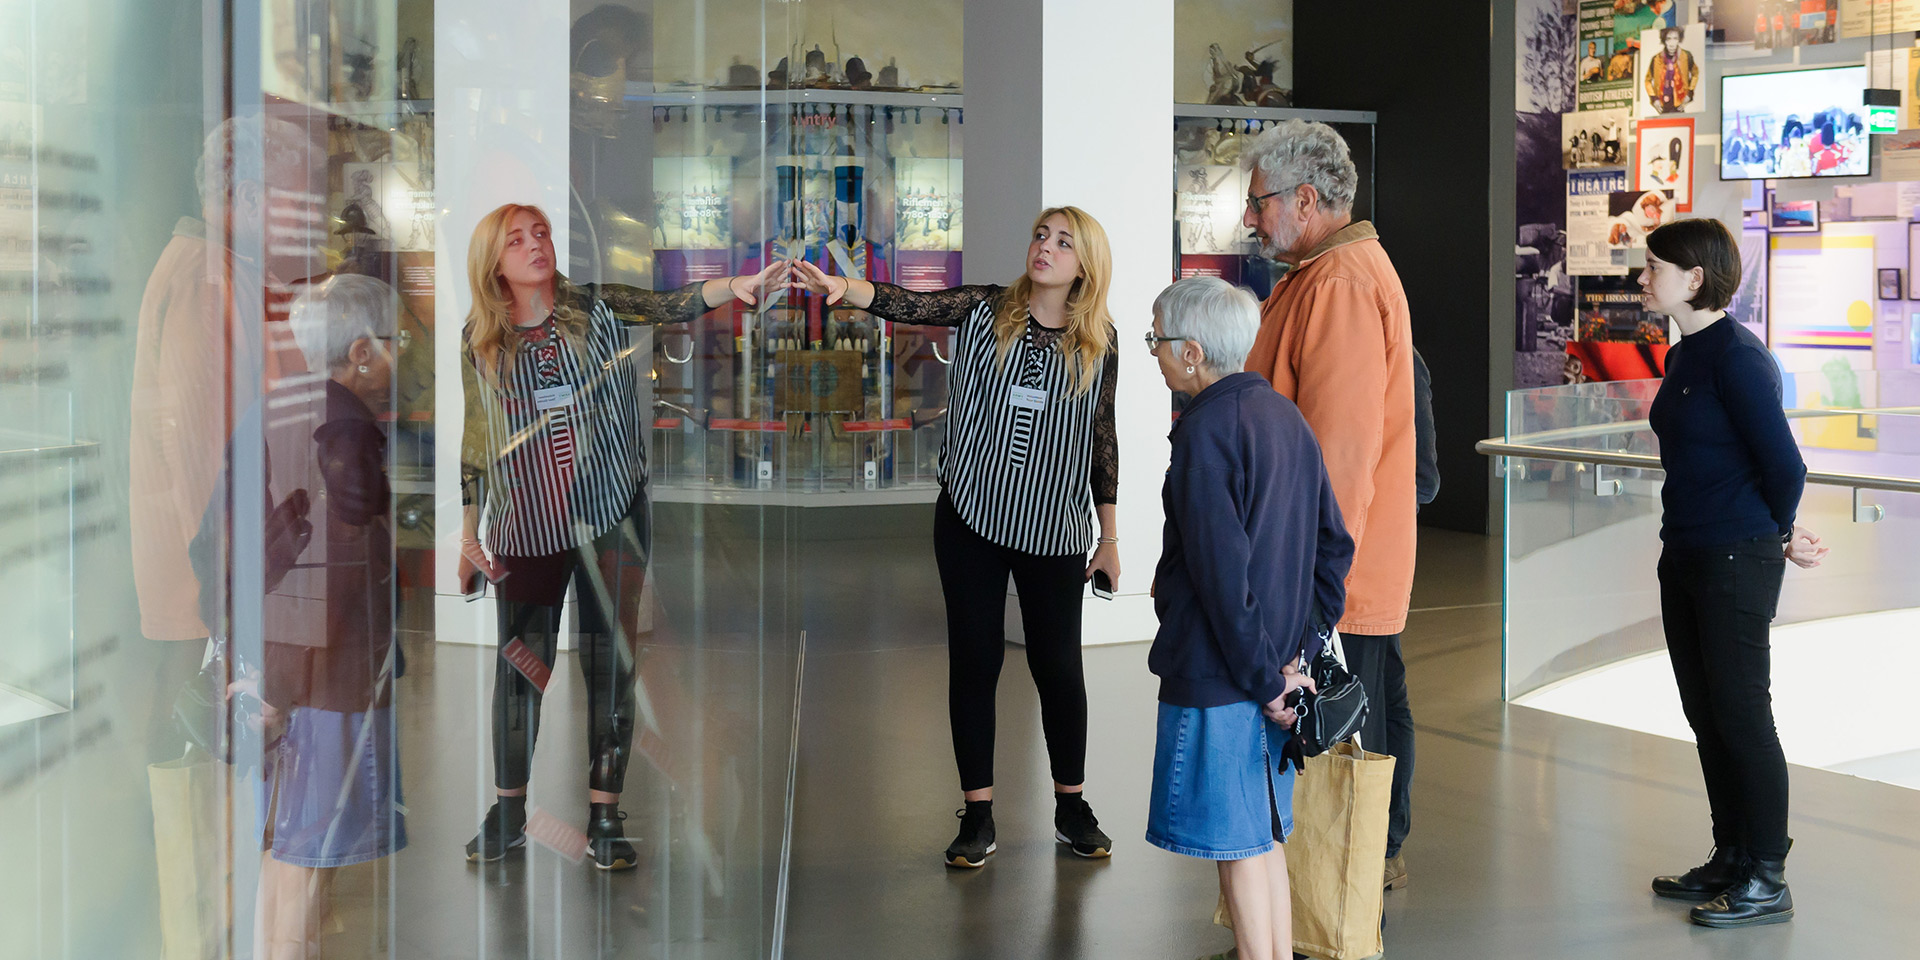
190, 843
1337, 852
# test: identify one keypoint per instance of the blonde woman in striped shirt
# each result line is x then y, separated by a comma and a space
553, 460
1030, 460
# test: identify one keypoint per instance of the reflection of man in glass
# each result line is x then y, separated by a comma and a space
201, 329
1672, 75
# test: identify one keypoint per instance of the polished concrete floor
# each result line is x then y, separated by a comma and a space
1534, 834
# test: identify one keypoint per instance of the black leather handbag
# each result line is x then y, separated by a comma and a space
221, 724
1337, 711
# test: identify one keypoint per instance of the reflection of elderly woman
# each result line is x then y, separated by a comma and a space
1253, 545
332, 789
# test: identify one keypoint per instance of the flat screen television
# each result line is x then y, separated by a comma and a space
1795, 124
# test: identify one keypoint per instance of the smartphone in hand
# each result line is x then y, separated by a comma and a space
1102, 585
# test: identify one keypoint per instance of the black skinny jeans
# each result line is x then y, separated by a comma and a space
973, 578
608, 576
1717, 605
1378, 663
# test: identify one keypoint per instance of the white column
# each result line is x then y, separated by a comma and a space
1071, 102
1107, 79
500, 135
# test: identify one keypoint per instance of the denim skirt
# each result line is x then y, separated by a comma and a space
1218, 790
332, 791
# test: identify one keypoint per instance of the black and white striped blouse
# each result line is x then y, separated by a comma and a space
1023, 478
560, 441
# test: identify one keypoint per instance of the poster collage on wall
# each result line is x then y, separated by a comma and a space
1627, 145
1627, 142
1830, 272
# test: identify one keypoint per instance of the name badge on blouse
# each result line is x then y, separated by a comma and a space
1027, 398
547, 398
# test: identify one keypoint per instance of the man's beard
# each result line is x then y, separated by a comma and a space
1274, 246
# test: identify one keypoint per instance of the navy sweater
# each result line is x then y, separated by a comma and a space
1733, 470
1253, 540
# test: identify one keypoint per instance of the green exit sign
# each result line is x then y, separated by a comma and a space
1883, 119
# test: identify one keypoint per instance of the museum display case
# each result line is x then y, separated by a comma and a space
1210, 188
787, 397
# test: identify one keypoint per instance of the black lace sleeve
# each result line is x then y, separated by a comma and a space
639, 305
1106, 445
942, 308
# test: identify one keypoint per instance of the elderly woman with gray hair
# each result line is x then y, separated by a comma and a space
324, 661
1253, 543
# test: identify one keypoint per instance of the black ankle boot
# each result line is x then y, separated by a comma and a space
1723, 869
1761, 896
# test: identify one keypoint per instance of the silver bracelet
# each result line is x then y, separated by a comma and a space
1106, 540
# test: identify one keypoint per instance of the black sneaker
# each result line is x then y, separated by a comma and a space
504, 829
606, 836
1075, 825
974, 844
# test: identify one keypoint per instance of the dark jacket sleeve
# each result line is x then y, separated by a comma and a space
1749, 386
1333, 556
1205, 510
1426, 463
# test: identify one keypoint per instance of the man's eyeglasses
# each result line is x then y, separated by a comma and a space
1153, 342
1253, 203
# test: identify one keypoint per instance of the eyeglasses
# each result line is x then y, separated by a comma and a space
1153, 342
1253, 203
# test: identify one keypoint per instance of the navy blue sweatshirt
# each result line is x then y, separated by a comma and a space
1733, 470
1253, 540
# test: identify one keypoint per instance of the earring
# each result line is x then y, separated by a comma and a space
1189, 371
363, 369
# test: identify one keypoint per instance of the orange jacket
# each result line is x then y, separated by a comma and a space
184, 362
1335, 338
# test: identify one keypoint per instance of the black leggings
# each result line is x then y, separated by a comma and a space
608, 576
1717, 605
973, 577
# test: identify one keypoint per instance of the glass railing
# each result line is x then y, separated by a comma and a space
1582, 604
49, 477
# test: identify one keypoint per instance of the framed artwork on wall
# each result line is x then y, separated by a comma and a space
1890, 283
1663, 158
1913, 261
1793, 216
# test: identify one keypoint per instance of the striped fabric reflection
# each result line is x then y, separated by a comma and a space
579, 462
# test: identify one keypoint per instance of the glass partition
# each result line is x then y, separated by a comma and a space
246, 709
50, 478
1581, 595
